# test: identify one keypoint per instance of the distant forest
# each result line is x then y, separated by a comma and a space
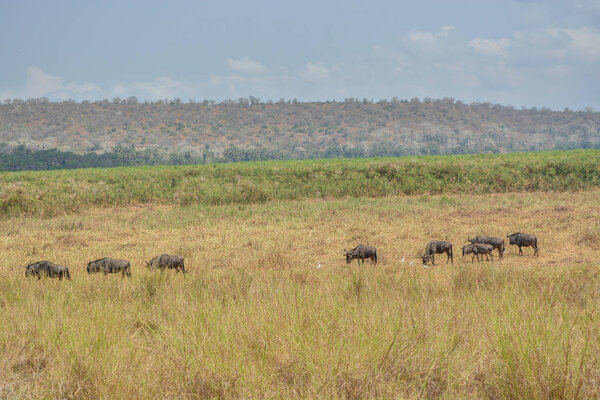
39, 134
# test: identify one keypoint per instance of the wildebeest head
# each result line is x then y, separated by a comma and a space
148, 263
512, 237
468, 249
28, 270
94, 266
349, 256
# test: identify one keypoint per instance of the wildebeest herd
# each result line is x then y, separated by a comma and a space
105, 265
480, 246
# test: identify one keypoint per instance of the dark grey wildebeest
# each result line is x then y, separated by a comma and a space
109, 265
497, 243
48, 269
478, 249
438, 247
361, 252
524, 240
165, 261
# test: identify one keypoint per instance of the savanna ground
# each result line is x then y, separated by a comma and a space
256, 318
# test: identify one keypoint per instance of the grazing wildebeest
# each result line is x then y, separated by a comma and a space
361, 252
438, 247
165, 261
497, 243
110, 266
524, 240
478, 248
48, 269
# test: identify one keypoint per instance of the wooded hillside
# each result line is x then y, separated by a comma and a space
290, 129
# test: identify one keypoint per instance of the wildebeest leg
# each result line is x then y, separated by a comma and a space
520, 251
491, 255
473, 258
433, 259
500, 253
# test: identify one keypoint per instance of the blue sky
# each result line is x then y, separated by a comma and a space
520, 53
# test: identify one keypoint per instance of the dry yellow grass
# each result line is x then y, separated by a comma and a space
255, 318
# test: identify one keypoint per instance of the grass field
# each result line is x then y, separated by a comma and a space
255, 318
49, 193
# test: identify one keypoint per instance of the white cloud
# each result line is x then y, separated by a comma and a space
429, 39
41, 84
567, 44
585, 43
490, 46
80, 88
245, 66
163, 87
119, 90
314, 72
422, 38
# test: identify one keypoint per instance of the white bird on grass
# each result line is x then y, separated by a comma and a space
402, 260
319, 266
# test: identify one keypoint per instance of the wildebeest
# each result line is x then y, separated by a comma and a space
524, 240
361, 252
438, 247
165, 261
110, 266
48, 269
497, 243
478, 248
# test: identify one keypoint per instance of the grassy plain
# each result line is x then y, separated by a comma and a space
49, 193
256, 318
